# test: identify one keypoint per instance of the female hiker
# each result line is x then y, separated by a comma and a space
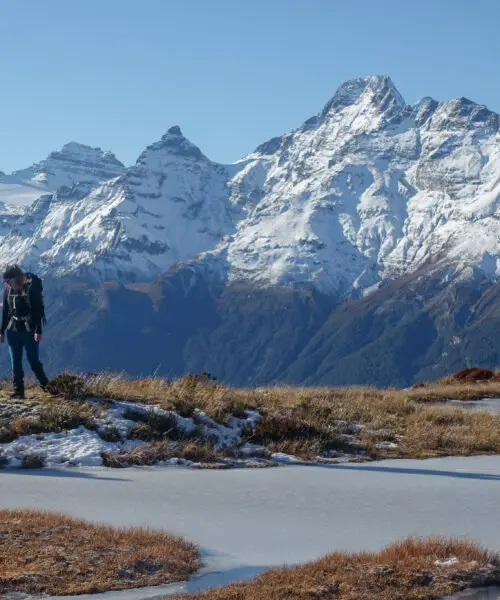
22, 318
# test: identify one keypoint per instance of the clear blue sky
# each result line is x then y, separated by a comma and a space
231, 73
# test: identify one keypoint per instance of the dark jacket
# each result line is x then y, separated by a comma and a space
36, 313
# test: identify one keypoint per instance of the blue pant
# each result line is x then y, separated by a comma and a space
19, 341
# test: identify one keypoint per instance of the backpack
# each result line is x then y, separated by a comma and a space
35, 289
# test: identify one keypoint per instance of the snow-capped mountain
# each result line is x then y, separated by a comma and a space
371, 189
170, 206
364, 192
74, 163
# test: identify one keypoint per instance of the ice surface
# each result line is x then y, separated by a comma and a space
487, 404
250, 519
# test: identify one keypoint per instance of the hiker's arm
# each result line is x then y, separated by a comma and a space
5, 313
36, 313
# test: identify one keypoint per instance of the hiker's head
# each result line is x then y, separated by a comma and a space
14, 276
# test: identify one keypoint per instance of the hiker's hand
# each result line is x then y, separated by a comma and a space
2, 338
38, 337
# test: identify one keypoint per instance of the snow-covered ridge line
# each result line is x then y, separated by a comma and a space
367, 190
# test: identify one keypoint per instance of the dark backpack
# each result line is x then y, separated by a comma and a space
35, 290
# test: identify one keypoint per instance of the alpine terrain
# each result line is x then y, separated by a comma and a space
362, 247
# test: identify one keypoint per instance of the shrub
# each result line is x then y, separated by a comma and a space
33, 461
145, 455
473, 374
68, 386
110, 434
7, 434
152, 424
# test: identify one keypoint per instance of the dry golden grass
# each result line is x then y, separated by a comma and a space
155, 452
44, 553
302, 421
306, 420
55, 415
403, 571
183, 395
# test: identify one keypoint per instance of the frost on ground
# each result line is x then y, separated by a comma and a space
131, 433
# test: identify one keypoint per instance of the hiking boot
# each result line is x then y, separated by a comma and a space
46, 390
17, 396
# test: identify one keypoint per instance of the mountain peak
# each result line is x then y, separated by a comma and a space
173, 142
73, 164
83, 152
174, 130
464, 113
376, 89
77, 147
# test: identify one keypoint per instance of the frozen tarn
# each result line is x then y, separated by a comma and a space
245, 520
487, 404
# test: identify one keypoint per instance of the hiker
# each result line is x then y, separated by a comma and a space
22, 319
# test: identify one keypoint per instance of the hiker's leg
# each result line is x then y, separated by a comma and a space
15, 341
32, 353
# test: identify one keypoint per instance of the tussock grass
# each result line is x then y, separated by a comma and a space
44, 553
33, 461
448, 388
183, 395
68, 386
408, 570
145, 455
152, 425
152, 453
450, 431
54, 416
307, 421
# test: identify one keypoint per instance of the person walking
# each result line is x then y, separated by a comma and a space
23, 317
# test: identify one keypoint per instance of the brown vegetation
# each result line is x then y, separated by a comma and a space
155, 452
411, 569
54, 415
473, 374
33, 461
68, 386
43, 553
306, 422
